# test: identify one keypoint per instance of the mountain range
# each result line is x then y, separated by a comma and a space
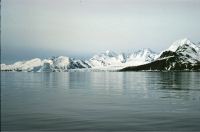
181, 55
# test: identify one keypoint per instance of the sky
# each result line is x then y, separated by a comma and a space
81, 28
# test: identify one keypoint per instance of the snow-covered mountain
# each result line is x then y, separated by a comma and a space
187, 50
105, 59
140, 57
60, 63
112, 59
22, 65
108, 60
181, 55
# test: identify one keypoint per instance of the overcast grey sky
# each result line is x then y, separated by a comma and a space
41, 28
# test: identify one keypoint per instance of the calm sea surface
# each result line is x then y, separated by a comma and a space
101, 101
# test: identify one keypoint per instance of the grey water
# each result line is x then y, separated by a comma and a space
100, 101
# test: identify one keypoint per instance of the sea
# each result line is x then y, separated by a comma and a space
100, 101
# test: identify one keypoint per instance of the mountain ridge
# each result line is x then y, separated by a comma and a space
181, 55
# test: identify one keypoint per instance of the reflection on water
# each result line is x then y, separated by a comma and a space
100, 101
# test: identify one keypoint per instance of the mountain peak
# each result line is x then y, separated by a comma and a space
185, 40
147, 50
179, 43
109, 53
